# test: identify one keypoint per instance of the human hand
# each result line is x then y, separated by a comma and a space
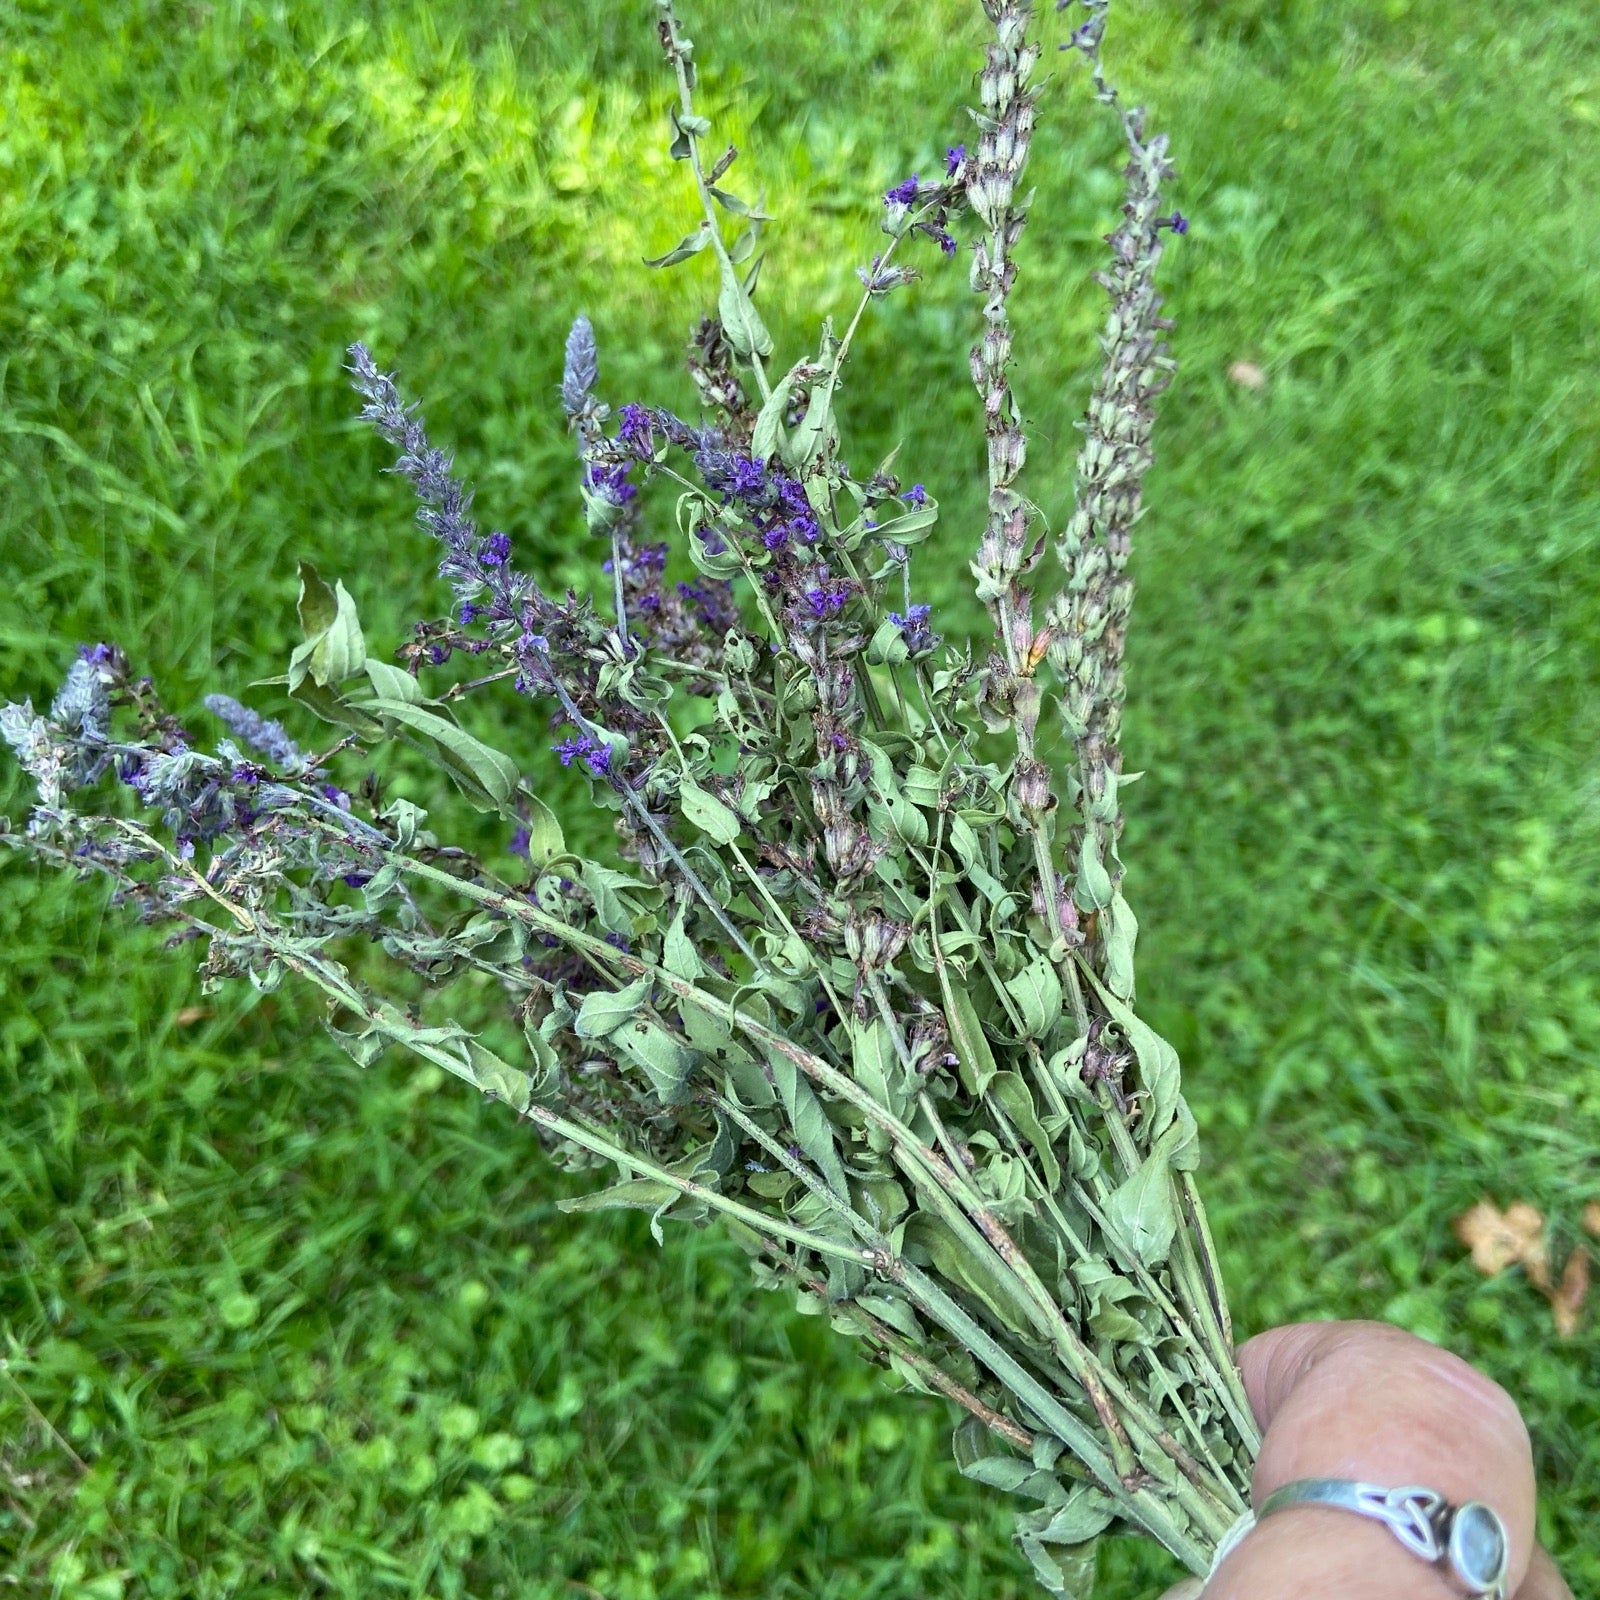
1366, 1401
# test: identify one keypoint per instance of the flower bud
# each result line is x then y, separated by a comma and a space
1030, 788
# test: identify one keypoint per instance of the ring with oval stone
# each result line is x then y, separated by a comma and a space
1466, 1542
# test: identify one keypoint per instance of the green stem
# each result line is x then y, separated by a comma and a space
680, 64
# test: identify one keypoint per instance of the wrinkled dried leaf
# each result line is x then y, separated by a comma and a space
1497, 1240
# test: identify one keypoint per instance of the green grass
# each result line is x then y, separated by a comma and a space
274, 1328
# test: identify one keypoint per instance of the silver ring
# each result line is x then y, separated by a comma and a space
1468, 1542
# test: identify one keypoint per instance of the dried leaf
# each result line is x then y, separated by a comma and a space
1497, 1240
1591, 1217
1247, 375
1566, 1299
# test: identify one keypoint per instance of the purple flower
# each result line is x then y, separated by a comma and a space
916, 494
902, 193
792, 498
1177, 222
805, 529
619, 942
496, 550
438, 654
826, 599
332, 791
946, 242
570, 750
712, 602
579, 747
610, 483
748, 481
469, 613
775, 538
635, 429
520, 841
953, 157
914, 628
97, 655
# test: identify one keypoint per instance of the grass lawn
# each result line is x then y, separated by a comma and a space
273, 1328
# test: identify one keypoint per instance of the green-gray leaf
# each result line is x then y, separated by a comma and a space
391, 683
479, 769
812, 1130
977, 1063
545, 838
1037, 993
768, 434
1119, 933
1092, 892
1143, 1210
1011, 1092
741, 322
334, 648
690, 245
877, 1066
666, 1062
708, 813
605, 1010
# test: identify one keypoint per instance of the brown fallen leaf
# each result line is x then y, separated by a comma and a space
1591, 1217
1247, 375
191, 1014
1566, 1299
1501, 1239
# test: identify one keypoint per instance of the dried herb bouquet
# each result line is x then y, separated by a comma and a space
858, 977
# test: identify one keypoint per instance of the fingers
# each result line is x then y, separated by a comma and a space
1543, 1582
1365, 1401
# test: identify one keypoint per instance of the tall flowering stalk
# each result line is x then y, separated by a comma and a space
847, 982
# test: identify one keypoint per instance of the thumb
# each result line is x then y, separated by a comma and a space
1188, 1589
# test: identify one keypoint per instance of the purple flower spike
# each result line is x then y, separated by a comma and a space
496, 550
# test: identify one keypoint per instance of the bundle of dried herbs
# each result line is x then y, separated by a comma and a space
857, 979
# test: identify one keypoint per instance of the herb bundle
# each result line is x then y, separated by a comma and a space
858, 977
